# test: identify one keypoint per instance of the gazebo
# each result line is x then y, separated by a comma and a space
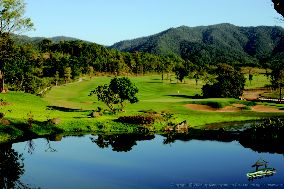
260, 163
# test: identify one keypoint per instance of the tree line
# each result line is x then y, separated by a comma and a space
34, 67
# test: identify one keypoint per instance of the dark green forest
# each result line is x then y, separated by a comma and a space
221, 43
33, 64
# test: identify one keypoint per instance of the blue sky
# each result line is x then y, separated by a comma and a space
109, 21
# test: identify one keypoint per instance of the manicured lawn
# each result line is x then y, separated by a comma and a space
258, 81
157, 95
72, 105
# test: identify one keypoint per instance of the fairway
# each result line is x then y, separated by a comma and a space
154, 94
71, 104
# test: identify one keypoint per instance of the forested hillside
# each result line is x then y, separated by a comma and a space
224, 43
33, 64
23, 39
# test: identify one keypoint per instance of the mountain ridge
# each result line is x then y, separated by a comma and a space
220, 42
24, 39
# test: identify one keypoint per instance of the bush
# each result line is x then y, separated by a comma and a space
215, 104
248, 103
246, 107
146, 119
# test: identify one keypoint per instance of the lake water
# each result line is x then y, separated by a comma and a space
123, 161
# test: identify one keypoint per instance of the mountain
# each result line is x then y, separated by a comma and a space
215, 43
23, 39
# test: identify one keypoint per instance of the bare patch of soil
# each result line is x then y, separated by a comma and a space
4, 103
233, 108
254, 94
206, 108
262, 108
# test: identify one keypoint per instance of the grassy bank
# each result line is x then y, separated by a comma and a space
70, 103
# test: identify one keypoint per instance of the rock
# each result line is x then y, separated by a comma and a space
181, 127
4, 121
95, 114
169, 128
55, 121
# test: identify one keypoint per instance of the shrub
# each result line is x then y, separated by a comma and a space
215, 104
146, 119
246, 107
248, 103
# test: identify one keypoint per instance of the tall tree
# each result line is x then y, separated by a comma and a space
117, 92
230, 83
277, 80
67, 74
12, 20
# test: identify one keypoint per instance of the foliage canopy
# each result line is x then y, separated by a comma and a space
229, 83
118, 91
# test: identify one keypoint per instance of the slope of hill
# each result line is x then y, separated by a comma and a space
23, 39
215, 43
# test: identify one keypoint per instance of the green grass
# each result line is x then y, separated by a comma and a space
217, 103
72, 104
158, 96
258, 81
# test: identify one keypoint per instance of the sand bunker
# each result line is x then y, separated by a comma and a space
233, 108
206, 108
262, 108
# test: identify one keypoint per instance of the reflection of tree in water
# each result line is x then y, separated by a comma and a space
259, 141
196, 134
270, 146
120, 142
49, 147
265, 137
30, 145
125, 142
11, 168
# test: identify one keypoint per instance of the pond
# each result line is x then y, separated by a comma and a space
133, 161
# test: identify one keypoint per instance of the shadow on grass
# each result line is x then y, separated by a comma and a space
39, 126
82, 117
63, 109
159, 82
187, 96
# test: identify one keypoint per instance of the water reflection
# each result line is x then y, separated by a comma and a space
76, 162
49, 147
11, 168
125, 142
270, 145
30, 146
120, 142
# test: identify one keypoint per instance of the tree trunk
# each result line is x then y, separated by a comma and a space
280, 94
1, 82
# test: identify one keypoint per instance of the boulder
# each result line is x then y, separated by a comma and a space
4, 121
95, 114
54, 121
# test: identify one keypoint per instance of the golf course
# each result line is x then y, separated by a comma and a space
67, 108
